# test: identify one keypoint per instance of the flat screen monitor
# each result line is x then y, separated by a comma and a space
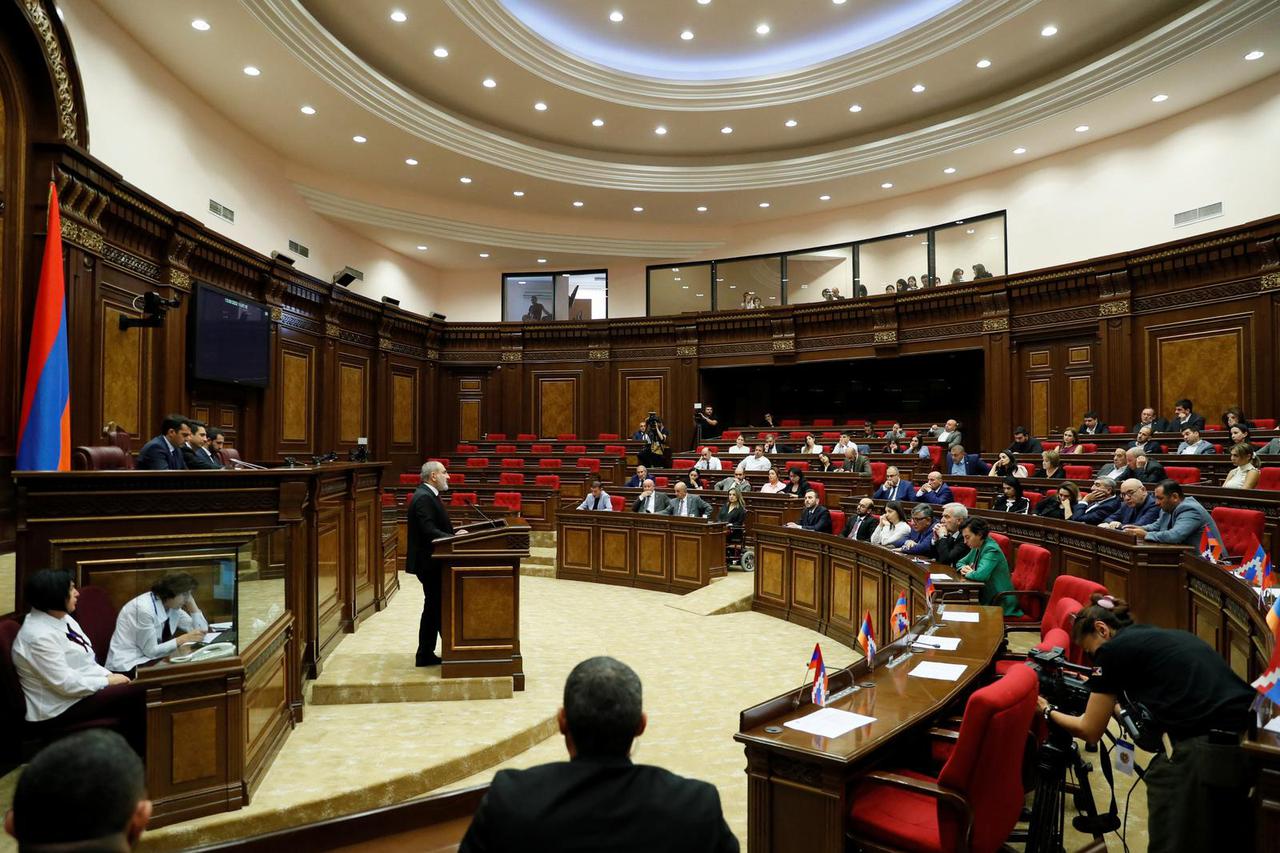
230, 338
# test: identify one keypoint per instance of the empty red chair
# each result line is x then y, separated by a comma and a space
1088, 447
551, 481
388, 499
590, 464
1264, 423
1268, 478
461, 498
1188, 475
615, 450
549, 463
904, 809
477, 462
838, 519
967, 495
790, 422
1076, 589
618, 502
496, 436
683, 464
660, 482
1079, 472
803, 465
1031, 576
912, 433
1217, 448
511, 478
575, 448
824, 422
1031, 469
797, 436
410, 479
1006, 546
567, 436
731, 434
608, 436
1213, 427
1116, 429
935, 456
821, 489
513, 463
1241, 529
1033, 498
457, 479
544, 449
526, 436
830, 436
1050, 445
502, 449
466, 448
507, 500
878, 472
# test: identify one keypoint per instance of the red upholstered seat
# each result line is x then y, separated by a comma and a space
388, 499
878, 472
838, 519
1031, 469
589, 463
457, 479
797, 436
410, 479
1269, 478
549, 463
803, 465
984, 768
1264, 423
1186, 474
543, 449
551, 481
1116, 429
509, 500
96, 614
1213, 427
513, 463
821, 489
504, 449
496, 436
477, 462
1006, 546
683, 464
104, 458
615, 450
830, 436
608, 436
935, 456
885, 423
567, 436
790, 422
1079, 472
731, 434
1031, 573
229, 452
1033, 498
1051, 445
466, 448
967, 495
1064, 600
660, 482
1241, 529
618, 502
575, 448
461, 498
526, 436
511, 478
824, 422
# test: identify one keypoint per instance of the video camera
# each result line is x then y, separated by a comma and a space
1060, 681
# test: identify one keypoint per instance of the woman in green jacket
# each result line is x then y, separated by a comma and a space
985, 562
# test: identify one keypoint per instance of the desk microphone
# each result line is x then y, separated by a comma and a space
471, 503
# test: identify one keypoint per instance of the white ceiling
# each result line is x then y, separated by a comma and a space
364, 73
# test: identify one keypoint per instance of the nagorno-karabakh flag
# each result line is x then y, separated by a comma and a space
44, 425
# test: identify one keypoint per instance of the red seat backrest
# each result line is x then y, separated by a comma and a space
457, 479
683, 464
1006, 546
526, 436
803, 465
466, 448
608, 436
731, 434
410, 479
388, 499
797, 436
831, 436
837, 521
660, 482
13, 702
96, 613
478, 462
567, 436
1213, 427
549, 463
1241, 529
1031, 572
511, 478
618, 503
496, 436
1116, 429
1033, 498
885, 423
512, 463
790, 422
549, 480
542, 448
575, 448
589, 463
1031, 469
615, 450
824, 422
1264, 423
1269, 478
967, 495
504, 449
1185, 474
1050, 445
878, 470
510, 500
935, 456
461, 498
1079, 472
1068, 586
821, 489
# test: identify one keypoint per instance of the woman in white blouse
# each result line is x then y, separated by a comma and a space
739, 447
774, 485
891, 530
1245, 475
154, 624
811, 445
59, 674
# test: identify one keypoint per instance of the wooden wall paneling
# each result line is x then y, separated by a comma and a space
352, 399
468, 417
557, 399
1207, 360
510, 412
641, 390
124, 378
296, 395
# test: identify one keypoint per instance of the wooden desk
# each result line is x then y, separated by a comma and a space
798, 785
762, 510
660, 552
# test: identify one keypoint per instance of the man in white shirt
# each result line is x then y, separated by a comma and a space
841, 446
948, 434
1192, 444
739, 447
707, 462
757, 461
651, 500
154, 624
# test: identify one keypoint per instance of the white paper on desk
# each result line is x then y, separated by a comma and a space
211, 636
1273, 725
946, 644
829, 722
936, 576
950, 615
939, 671
219, 626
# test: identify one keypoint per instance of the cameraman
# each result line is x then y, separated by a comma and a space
653, 455
705, 419
1198, 783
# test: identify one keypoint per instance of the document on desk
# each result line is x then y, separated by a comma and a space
950, 615
946, 644
939, 576
1273, 725
829, 722
939, 671
211, 636
219, 626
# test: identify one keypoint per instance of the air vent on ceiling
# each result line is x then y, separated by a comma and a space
222, 211
1196, 214
299, 249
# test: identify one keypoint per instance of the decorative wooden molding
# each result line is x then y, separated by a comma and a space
1270, 281
598, 354
995, 324
85, 238
784, 344
68, 121
686, 352
1111, 309
512, 355
889, 337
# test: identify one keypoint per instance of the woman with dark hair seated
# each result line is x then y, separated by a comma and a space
59, 674
892, 446
1233, 416
915, 448
155, 623
1006, 465
1011, 499
1061, 503
985, 562
824, 463
735, 509
796, 485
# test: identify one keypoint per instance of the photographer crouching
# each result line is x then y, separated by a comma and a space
1198, 782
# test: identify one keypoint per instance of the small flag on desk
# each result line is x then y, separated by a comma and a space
901, 619
819, 677
1253, 565
928, 590
1210, 547
867, 639
1268, 684
1273, 619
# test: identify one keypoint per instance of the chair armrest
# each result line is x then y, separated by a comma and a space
944, 734
931, 789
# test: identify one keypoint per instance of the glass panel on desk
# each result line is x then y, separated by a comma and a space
752, 283
678, 289
963, 250
881, 263
823, 274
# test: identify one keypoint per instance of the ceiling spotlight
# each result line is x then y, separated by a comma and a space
440, 52
660, 130
484, 254
577, 204
762, 30
984, 63
200, 24
518, 193
597, 122
838, 2
399, 17
686, 35
637, 209
702, 208
464, 179
360, 139
1019, 150
886, 186
1050, 30
615, 16
918, 88
1082, 128
489, 82
790, 123
856, 108
704, 2
969, 230
542, 260
726, 129
252, 70
540, 107
763, 204
422, 248
307, 110
824, 198
1159, 99
409, 161
1254, 54
950, 170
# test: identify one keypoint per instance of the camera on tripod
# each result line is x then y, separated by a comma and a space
1060, 681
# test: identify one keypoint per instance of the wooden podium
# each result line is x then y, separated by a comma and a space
480, 600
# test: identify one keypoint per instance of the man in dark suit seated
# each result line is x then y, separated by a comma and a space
1142, 442
934, 491
162, 452
815, 516
598, 799
894, 488
195, 453
1137, 507
855, 462
1148, 418
216, 442
919, 542
651, 500
1091, 425
948, 541
1149, 471
685, 504
1024, 443
1097, 506
1184, 417
965, 464
428, 521
637, 480
860, 524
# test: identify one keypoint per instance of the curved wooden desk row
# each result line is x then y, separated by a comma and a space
658, 552
836, 484
762, 510
538, 504
611, 467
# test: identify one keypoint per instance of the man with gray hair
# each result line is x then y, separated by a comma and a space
919, 542
948, 543
1137, 506
428, 521
1102, 500
651, 500
598, 799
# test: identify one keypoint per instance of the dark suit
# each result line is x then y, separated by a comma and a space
660, 503
1193, 420
1140, 517
427, 521
939, 497
1100, 429
1096, 512
865, 524
904, 491
1158, 425
1150, 447
817, 519
1031, 445
949, 549
593, 804
973, 466
1151, 474
634, 483
694, 506
193, 458
156, 456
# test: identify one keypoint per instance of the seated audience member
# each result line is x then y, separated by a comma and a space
57, 669
1070, 442
901, 286
985, 562
947, 434
1051, 461
915, 447
934, 491
912, 284
1148, 419
869, 432
217, 441
737, 481
839, 448
685, 504
965, 464
1061, 504
894, 488
1240, 434
773, 485
1184, 417
897, 433
739, 448
85, 792
707, 462
734, 510
1181, 521
1091, 425
1142, 441
861, 522
770, 443
948, 537
1245, 475
597, 499
757, 461
195, 452
637, 479
1010, 498
855, 462
957, 276
1137, 507
599, 800
1192, 444
162, 453
919, 542
768, 421
1024, 443
1148, 470
980, 271
1271, 448
811, 445
892, 529
815, 516
893, 446
1007, 465
153, 625
1118, 468
824, 463
691, 479
1097, 506
642, 432
796, 484
1234, 416
651, 500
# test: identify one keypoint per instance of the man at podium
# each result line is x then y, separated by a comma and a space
428, 521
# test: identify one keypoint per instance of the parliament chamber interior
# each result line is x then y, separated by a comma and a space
678, 425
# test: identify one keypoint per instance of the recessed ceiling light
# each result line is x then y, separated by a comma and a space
699, 295
969, 230
686, 35
399, 17
422, 248
597, 122
615, 16
678, 278
637, 209
984, 63
360, 139
684, 287
726, 129
540, 107
489, 82
1019, 150
790, 122
764, 204
252, 70
1254, 54
950, 170
660, 130
1082, 128
200, 24
886, 186
824, 198
307, 110
838, 2
704, 2
577, 204
542, 260
464, 179
518, 193
918, 88
762, 30
440, 52
409, 161
484, 254
702, 208
1159, 99
1050, 30
856, 108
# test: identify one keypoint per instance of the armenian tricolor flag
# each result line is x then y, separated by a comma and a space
928, 590
901, 618
867, 639
1210, 547
819, 676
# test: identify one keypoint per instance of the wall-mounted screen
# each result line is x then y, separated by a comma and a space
230, 338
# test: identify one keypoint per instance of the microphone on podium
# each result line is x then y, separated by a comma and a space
472, 503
